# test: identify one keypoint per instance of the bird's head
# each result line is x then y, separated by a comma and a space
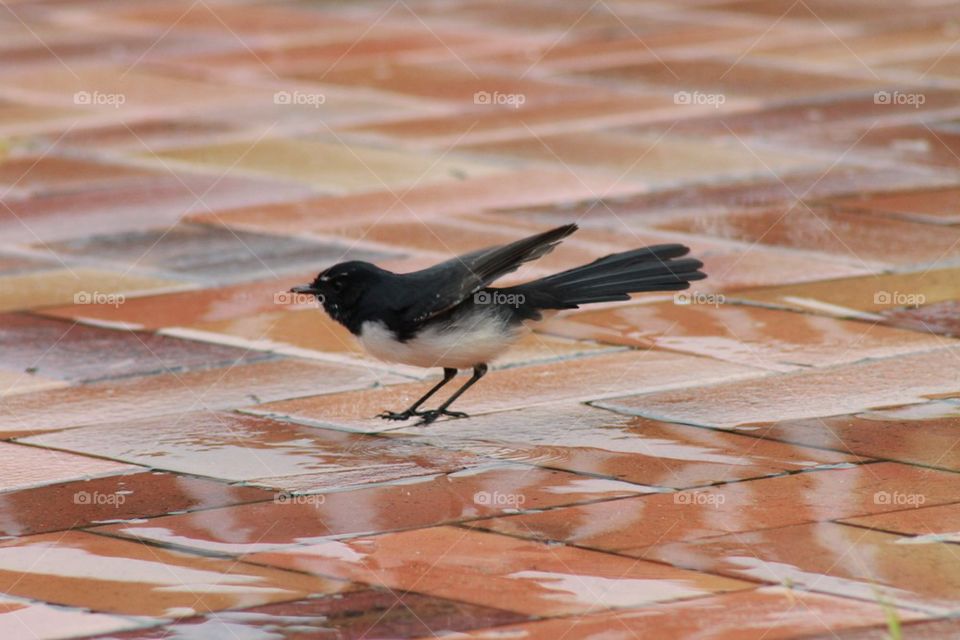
341, 288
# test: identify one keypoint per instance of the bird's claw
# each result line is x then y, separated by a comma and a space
426, 417
393, 415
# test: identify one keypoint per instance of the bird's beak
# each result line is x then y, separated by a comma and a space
303, 288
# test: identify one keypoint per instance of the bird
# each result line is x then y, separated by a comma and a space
449, 316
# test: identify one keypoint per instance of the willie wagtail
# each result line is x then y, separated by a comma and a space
449, 316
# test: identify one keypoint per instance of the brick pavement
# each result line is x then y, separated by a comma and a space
185, 452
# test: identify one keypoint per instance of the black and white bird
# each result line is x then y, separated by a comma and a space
449, 316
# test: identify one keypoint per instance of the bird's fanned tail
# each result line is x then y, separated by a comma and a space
614, 277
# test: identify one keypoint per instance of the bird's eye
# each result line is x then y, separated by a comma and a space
337, 285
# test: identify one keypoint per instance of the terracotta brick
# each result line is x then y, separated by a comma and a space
451, 83
831, 558
174, 394
872, 49
223, 19
65, 350
25, 467
652, 159
144, 204
942, 64
703, 324
866, 297
213, 253
21, 619
441, 131
775, 613
918, 145
937, 206
13, 382
592, 441
183, 308
152, 133
939, 317
733, 77
917, 525
378, 43
126, 91
798, 121
86, 286
17, 118
601, 49
118, 576
233, 447
516, 575
922, 630
822, 9
633, 525
85, 47
759, 193
525, 187
581, 379
848, 388
313, 518
125, 495
924, 434
881, 240
32, 175
356, 614
14, 263
332, 165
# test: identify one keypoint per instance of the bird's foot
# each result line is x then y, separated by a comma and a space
403, 415
426, 417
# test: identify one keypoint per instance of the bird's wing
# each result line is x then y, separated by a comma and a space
450, 283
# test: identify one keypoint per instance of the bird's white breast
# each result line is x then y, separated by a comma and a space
462, 345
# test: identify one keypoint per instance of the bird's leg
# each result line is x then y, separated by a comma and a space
428, 416
448, 375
